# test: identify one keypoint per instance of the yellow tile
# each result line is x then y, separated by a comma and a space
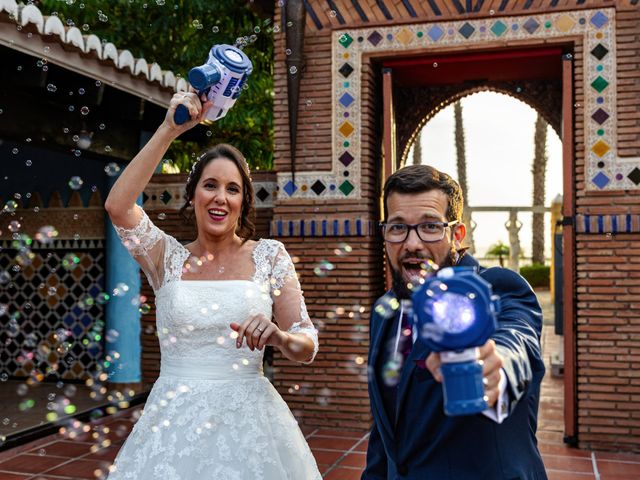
565, 23
600, 148
346, 129
405, 36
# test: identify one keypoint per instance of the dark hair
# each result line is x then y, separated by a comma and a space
247, 228
423, 178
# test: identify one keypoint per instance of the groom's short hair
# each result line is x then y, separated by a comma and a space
424, 178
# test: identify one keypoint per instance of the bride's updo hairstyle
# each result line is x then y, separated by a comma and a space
246, 228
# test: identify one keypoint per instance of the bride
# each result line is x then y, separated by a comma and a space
212, 414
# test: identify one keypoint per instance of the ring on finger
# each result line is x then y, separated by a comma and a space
260, 329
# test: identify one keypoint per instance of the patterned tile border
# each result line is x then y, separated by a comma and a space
605, 169
344, 227
624, 223
170, 195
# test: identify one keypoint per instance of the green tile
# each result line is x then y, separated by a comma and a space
346, 187
345, 40
599, 84
498, 28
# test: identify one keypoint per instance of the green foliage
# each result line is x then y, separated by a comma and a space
177, 34
537, 275
499, 250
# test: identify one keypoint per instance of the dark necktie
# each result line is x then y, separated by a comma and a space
405, 342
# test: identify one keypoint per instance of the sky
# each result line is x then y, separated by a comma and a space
499, 147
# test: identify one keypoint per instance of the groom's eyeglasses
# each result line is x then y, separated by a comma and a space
427, 231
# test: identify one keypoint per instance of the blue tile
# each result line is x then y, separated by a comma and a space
466, 30
600, 180
530, 25
290, 188
346, 99
435, 33
599, 19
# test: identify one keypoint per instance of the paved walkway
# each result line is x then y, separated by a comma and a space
87, 451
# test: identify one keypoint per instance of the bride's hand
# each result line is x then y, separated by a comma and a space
197, 108
259, 331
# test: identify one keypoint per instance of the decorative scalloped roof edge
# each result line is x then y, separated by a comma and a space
51, 28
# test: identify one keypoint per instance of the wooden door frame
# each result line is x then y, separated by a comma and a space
568, 255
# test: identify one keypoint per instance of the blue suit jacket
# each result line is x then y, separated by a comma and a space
423, 443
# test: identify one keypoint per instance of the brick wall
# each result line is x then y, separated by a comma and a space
608, 277
333, 390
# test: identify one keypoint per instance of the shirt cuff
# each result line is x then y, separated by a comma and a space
500, 411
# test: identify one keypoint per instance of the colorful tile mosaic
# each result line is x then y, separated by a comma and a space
605, 170
345, 227
171, 195
608, 224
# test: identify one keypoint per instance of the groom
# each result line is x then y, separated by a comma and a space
411, 437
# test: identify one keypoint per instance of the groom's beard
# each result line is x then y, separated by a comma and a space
400, 285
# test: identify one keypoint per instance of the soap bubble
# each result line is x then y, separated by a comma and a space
112, 169
75, 183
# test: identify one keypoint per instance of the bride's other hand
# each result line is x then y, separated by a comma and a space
259, 332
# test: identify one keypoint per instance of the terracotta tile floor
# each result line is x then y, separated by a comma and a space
340, 454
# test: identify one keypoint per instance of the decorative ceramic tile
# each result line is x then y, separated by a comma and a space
605, 170
345, 227
171, 196
608, 224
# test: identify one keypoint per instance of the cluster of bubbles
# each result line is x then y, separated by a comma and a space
323, 268
46, 234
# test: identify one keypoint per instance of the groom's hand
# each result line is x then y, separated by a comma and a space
491, 365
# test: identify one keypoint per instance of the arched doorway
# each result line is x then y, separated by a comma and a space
415, 88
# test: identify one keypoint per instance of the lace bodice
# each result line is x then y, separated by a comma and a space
193, 316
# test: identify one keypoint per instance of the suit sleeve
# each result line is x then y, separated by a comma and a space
519, 330
376, 468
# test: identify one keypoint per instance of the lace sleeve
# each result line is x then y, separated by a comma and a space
289, 307
145, 242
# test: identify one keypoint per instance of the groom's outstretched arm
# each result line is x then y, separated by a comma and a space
376, 468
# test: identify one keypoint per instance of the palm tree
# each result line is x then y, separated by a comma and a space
538, 170
461, 157
417, 149
499, 250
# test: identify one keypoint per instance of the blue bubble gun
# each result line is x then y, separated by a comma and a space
221, 79
455, 313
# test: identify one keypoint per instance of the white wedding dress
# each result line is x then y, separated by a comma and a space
211, 413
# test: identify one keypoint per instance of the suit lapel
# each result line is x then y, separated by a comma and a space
419, 352
378, 324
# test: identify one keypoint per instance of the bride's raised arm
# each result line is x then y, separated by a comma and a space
137, 232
